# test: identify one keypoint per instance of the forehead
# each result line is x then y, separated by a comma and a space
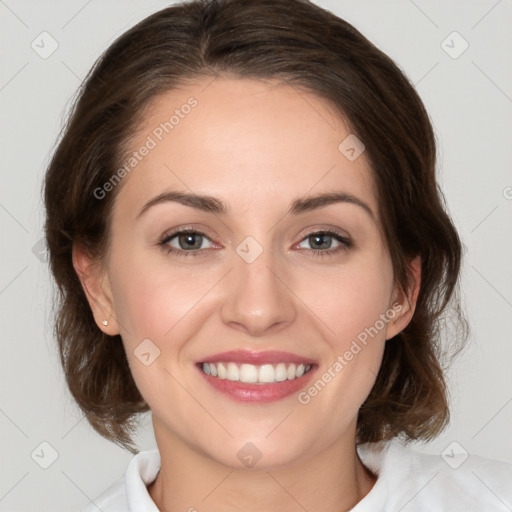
250, 142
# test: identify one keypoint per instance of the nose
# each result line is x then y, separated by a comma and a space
257, 298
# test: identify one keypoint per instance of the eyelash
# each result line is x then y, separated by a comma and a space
345, 243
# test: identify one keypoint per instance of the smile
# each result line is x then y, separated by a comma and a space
256, 374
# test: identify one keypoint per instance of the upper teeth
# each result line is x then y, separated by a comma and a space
250, 373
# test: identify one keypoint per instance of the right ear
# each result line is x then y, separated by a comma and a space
97, 289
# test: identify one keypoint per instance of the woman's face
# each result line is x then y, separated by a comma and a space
266, 283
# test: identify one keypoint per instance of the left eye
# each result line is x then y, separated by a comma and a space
324, 240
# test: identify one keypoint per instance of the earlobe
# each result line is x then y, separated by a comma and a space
405, 301
96, 288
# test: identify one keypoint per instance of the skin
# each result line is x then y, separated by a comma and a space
256, 146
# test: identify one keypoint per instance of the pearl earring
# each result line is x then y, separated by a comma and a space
105, 322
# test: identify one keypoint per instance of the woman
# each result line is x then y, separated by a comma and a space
245, 227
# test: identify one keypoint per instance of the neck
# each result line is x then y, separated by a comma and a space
332, 481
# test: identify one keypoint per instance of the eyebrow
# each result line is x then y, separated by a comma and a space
213, 205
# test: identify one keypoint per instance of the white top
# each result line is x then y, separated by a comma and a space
407, 481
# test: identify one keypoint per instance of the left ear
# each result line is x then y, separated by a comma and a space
404, 302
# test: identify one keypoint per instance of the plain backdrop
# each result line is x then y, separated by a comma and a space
468, 93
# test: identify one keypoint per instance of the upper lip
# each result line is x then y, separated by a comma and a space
257, 357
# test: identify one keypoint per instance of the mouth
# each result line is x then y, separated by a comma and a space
253, 374
248, 376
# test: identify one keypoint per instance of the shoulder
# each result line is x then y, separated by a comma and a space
112, 499
412, 481
130, 492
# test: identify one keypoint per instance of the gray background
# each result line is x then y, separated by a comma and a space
470, 101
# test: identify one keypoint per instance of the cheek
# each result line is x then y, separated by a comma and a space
353, 307
153, 303
160, 303
151, 298
353, 301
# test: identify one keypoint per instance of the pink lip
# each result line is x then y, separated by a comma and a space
257, 358
257, 393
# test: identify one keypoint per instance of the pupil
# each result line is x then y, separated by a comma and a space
323, 240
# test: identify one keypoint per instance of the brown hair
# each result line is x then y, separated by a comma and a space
306, 47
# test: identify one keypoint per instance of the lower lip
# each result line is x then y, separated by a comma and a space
258, 393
